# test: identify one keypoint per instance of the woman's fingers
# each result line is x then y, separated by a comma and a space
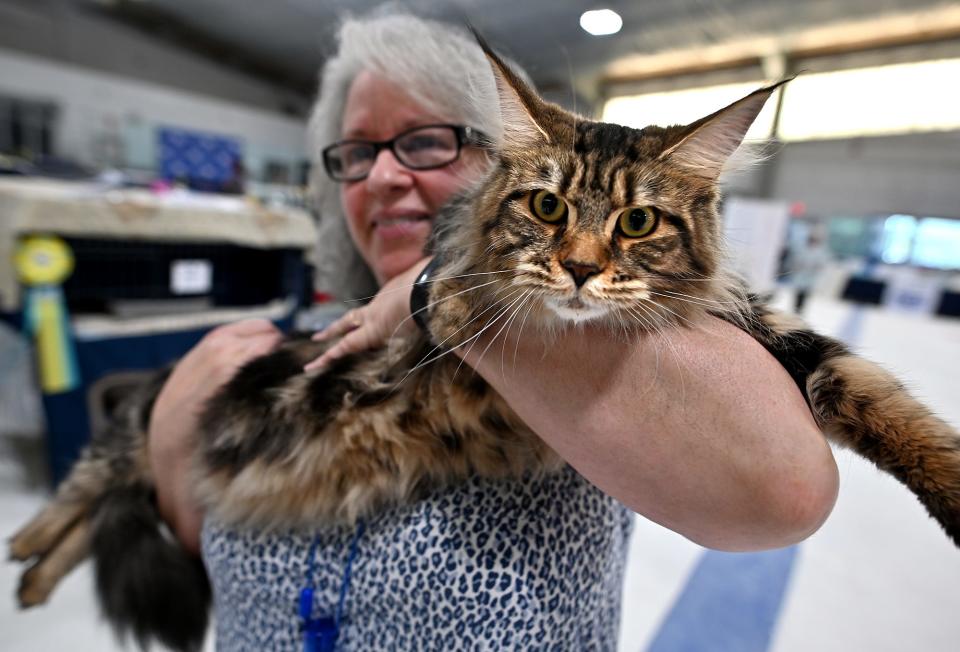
350, 321
348, 344
359, 339
370, 326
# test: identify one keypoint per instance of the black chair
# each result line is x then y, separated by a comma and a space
860, 289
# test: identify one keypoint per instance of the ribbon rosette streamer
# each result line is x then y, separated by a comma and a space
43, 263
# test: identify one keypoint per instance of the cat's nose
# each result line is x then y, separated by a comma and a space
580, 271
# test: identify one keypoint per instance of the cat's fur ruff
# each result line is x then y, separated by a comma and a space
281, 448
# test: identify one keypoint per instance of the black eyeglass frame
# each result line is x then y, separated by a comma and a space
465, 136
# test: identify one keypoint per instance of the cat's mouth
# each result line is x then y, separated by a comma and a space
575, 308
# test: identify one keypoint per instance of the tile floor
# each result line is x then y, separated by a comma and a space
879, 576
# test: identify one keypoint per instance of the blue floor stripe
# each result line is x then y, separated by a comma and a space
852, 327
730, 603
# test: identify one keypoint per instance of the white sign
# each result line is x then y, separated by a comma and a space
910, 291
191, 276
755, 231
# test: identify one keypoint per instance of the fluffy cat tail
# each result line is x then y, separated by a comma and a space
148, 586
860, 405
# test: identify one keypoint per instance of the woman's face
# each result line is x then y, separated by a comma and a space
390, 212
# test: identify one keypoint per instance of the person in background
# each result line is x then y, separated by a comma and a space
804, 266
721, 446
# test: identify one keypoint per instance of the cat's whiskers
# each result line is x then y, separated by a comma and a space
520, 333
408, 286
543, 282
646, 325
656, 350
651, 329
464, 244
439, 301
690, 297
425, 361
536, 270
676, 355
628, 287
699, 279
614, 318
434, 279
510, 321
492, 322
695, 303
489, 324
672, 312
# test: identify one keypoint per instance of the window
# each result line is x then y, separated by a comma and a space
893, 99
925, 242
937, 243
879, 100
26, 127
898, 231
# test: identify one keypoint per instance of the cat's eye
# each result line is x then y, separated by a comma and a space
637, 222
548, 206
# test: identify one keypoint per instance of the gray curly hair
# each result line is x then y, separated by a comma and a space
439, 65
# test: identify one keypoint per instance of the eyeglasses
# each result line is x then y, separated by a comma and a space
420, 148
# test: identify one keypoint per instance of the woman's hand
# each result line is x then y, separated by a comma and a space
370, 326
173, 422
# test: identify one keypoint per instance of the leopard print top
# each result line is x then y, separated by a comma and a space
488, 565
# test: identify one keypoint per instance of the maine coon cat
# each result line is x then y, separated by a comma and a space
577, 220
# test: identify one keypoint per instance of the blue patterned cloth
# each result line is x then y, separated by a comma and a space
200, 158
487, 565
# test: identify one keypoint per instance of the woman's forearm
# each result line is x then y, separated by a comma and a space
700, 430
176, 503
175, 416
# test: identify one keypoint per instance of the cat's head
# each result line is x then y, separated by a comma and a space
584, 220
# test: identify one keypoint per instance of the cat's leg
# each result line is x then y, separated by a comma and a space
39, 580
54, 535
43, 532
73, 501
116, 456
863, 407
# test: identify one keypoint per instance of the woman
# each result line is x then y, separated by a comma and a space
721, 448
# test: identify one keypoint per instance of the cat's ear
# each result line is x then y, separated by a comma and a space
706, 145
519, 104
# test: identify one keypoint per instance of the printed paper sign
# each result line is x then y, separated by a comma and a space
191, 276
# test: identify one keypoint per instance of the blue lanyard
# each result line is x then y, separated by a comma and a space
320, 634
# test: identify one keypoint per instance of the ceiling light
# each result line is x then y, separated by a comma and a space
601, 22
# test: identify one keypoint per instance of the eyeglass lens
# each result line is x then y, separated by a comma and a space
420, 149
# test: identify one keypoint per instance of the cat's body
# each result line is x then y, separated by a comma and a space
578, 221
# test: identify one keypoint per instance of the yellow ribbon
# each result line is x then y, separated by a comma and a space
43, 260
42, 263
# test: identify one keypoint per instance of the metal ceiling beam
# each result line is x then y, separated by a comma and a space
896, 30
167, 27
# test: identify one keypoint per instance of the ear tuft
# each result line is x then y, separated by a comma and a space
519, 104
707, 144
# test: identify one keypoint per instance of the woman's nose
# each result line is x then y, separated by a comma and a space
388, 174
